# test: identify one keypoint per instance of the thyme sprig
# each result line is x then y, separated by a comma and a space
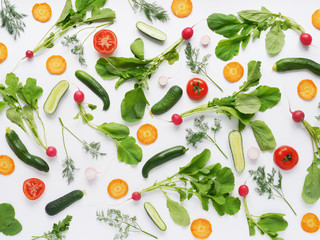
152, 10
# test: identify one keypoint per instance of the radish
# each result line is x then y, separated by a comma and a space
187, 33
243, 190
136, 196
91, 173
253, 153
176, 119
163, 81
205, 40
51, 151
78, 96
29, 54
305, 39
297, 116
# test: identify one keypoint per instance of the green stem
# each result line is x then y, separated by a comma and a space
44, 129
214, 142
200, 109
44, 36
205, 74
63, 126
282, 196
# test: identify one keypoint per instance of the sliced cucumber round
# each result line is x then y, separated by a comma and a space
154, 215
235, 142
51, 104
151, 31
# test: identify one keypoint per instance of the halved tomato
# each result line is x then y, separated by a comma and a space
105, 41
33, 188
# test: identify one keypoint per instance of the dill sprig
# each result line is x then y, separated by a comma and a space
124, 223
11, 20
201, 132
196, 66
152, 10
68, 169
267, 184
77, 47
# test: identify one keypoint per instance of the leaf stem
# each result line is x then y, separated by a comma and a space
214, 142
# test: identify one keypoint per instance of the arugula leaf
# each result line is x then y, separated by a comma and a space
13, 228
263, 135
311, 191
137, 48
196, 163
98, 14
274, 40
31, 92
268, 96
178, 213
114, 130
225, 25
255, 15
128, 151
247, 104
228, 48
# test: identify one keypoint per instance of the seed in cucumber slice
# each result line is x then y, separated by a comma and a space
235, 143
154, 215
151, 31
51, 104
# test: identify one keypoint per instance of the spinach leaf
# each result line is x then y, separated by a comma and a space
225, 25
229, 111
65, 12
128, 151
178, 213
13, 228
15, 117
31, 92
114, 130
137, 48
228, 48
275, 40
133, 105
311, 190
268, 96
125, 64
196, 163
102, 69
98, 14
255, 15
6, 215
86, 4
263, 135
247, 104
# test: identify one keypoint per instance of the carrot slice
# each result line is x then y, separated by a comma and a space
41, 12
310, 223
56, 64
6, 165
117, 188
201, 228
307, 90
316, 19
233, 71
3, 52
147, 134
181, 8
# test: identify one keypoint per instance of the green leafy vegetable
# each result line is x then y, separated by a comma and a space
9, 226
275, 40
263, 135
137, 48
152, 10
122, 222
178, 213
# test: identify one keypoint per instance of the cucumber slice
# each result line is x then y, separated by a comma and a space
51, 104
154, 215
151, 31
235, 143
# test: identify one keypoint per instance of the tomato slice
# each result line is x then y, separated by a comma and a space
105, 41
33, 188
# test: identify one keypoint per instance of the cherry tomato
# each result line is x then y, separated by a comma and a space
197, 89
105, 41
285, 157
33, 188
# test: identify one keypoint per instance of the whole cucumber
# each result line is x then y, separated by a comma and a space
287, 64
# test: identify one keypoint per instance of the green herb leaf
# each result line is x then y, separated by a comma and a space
31, 92
103, 71
273, 222
86, 4
228, 48
125, 64
2, 105
13, 84
172, 56
275, 40
311, 191
225, 178
254, 15
65, 12
229, 111
114, 130
178, 213
128, 151
13, 228
104, 14
263, 135
268, 96
247, 104
225, 25
196, 163
253, 76
137, 48
7, 214
152, 10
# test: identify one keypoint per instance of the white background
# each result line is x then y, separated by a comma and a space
84, 225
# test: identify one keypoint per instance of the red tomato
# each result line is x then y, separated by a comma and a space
105, 41
197, 89
33, 188
285, 157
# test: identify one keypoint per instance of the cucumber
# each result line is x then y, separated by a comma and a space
51, 104
56, 206
151, 31
287, 64
235, 143
168, 101
154, 215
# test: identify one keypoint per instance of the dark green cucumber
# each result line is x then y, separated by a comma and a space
22, 152
235, 142
56, 206
161, 158
96, 87
287, 64
168, 101
154, 215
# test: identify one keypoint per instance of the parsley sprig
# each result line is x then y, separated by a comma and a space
124, 223
196, 66
152, 10
267, 184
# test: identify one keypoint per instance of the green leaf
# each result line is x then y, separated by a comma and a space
12, 229
125, 64
114, 130
263, 135
311, 190
178, 213
244, 118
275, 39
196, 163
128, 151
15, 117
228, 48
137, 48
28, 116
2, 105
102, 70
256, 33
254, 15
247, 104
225, 25
104, 14
13, 84
253, 76
273, 222
7, 214
230, 207
268, 96
208, 171
133, 105
31, 92
65, 12
226, 179
86, 4
172, 56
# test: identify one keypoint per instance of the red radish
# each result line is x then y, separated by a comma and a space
305, 39
78, 96
136, 196
91, 173
51, 151
176, 119
29, 54
187, 33
297, 116
243, 190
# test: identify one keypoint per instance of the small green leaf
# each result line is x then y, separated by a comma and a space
225, 25
311, 190
65, 12
226, 179
253, 76
104, 14
228, 48
12, 229
263, 135
137, 48
247, 104
273, 223
275, 39
7, 214
31, 92
128, 151
178, 213
268, 96
254, 15
2, 105
172, 56
102, 69
15, 117
114, 130
196, 163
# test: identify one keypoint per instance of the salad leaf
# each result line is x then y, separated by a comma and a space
31, 92
268, 96
225, 25
196, 163
247, 104
263, 135
255, 15
65, 12
13, 228
228, 48
178, 213
311, 191
137, 48
128, 151
98, 14
275, 40
7, 214
114, 130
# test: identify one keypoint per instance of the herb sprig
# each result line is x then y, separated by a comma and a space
152, 10
267, 184
124, 223
77, 48
196, 66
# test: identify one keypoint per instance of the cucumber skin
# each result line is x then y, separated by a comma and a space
96, 87
56, 206
287, 64
168, 101
58, 100
161, 158
146, 207
22, 152
244, 164
143, 26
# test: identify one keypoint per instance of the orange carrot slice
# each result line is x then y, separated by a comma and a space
307, 90
56, 64
118, 188
181, 8
201, 228
6, 165
3, 52
310, 223
233, 71
316, 19
147, 134
41, 12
